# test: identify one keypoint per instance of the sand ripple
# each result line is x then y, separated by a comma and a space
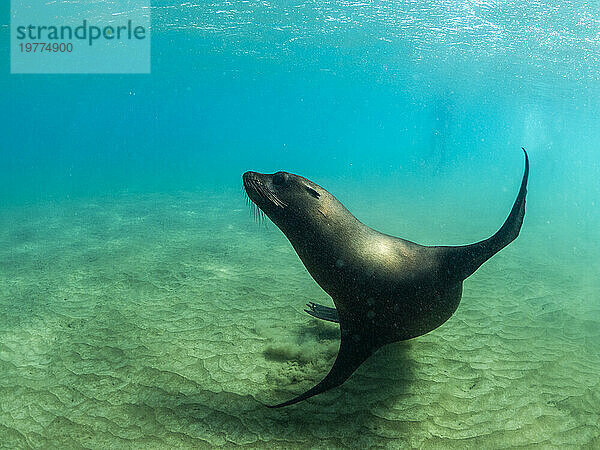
134, 323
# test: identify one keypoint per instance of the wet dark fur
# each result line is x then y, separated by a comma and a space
385, 289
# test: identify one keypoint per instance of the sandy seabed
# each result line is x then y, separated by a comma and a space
169, 321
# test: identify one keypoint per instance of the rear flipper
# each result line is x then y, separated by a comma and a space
322, 312
462, 261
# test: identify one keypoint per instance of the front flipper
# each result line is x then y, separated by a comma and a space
322, 312
354, 350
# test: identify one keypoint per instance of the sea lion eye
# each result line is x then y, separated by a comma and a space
312, 192
279, 178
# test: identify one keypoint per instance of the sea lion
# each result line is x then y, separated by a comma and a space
385, 289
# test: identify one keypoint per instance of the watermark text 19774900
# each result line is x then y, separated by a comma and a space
116, 40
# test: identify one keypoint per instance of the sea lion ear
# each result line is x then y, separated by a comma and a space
312, 192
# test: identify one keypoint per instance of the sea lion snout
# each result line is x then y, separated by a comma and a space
254, 186
260, 187
250, 176
253, 181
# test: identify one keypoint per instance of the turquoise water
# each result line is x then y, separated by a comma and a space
142, 306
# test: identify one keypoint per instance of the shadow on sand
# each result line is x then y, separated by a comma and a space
377, 385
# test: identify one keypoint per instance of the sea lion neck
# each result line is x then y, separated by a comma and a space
329, 224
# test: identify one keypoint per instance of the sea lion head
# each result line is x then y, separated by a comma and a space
288, 199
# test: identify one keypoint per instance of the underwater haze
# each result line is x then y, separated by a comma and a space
143, 306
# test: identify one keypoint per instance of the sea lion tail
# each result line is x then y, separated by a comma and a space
465, 260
